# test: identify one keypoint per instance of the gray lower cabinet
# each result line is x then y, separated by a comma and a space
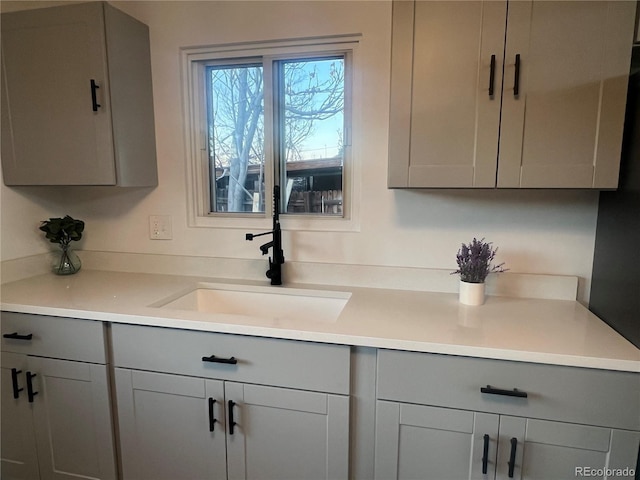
18, 440
56, 417
216, 406
286, 434
168, 429
467, 418
531, 449
422, 442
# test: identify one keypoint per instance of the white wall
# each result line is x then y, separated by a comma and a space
537, 231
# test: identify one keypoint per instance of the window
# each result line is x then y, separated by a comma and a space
235, 135
270, 115
311, 103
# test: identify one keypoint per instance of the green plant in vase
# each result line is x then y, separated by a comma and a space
63, 231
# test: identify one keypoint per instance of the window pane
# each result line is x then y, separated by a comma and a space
312, 122
236, 137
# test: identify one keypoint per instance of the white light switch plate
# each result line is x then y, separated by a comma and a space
160, 227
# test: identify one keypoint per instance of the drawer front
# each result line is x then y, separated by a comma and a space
568, 394
54, 337
268, 361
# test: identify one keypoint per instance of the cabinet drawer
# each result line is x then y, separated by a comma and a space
285, 363
569, 394
54, 337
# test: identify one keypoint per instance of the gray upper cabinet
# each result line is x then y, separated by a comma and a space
444, 125
77, 101
529, 96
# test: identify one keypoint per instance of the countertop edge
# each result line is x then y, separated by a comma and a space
334, 338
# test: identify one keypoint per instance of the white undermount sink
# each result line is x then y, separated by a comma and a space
280, 303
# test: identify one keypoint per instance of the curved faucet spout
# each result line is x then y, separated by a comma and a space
265, 248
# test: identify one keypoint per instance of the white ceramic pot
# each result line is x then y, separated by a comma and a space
471, 293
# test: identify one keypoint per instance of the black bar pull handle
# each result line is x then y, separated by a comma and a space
509, 393
485, 454
30, 392
94, 95
17, 336
212, 419
232, 423
492, 75
516, 80
14, 382
512, 456
214, 359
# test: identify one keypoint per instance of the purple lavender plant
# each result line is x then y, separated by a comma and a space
474, 261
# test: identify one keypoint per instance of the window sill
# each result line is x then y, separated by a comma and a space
287, 222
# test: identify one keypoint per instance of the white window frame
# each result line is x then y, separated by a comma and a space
194, 60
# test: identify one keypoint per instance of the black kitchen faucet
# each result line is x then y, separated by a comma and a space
275, 265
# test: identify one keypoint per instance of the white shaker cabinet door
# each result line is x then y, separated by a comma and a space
18, 444
565, 83
433, 443
285, 434
446, 78
72, 419
171, 427
55, 75
518, 94
542, 450
77, 101
424, 442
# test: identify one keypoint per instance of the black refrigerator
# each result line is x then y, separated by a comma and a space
615, 287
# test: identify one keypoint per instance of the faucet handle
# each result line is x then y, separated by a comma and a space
249, 236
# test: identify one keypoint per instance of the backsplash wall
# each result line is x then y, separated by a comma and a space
551, 232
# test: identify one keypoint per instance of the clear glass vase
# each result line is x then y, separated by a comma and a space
66, 262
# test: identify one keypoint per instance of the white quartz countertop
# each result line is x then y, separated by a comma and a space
560, 332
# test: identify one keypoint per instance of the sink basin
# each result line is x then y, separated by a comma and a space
266, 302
